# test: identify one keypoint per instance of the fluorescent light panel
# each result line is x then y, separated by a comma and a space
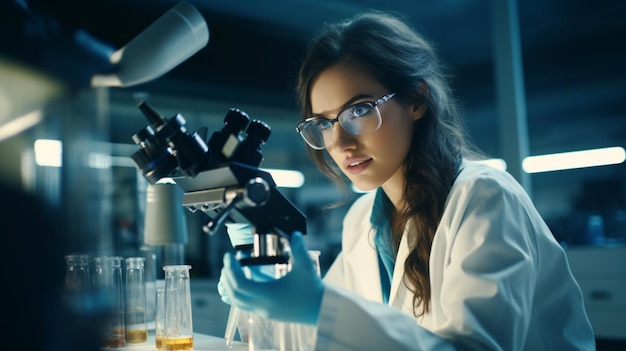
20, 124
574, 159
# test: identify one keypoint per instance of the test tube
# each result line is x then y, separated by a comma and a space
136, 320
77, 277
159, 319
108, 282
178, 322
231, 325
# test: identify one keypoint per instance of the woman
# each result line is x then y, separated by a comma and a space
446, 253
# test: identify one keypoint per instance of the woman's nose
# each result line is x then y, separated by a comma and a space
341, 140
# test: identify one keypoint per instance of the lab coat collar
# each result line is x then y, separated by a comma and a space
362, 259
398, 273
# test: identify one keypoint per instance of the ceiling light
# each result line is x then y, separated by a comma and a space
574, 159
48, 152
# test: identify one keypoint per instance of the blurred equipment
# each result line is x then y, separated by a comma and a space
165, 223
42, 62
220, 177
173, 38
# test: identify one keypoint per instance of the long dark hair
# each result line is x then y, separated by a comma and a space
405, 63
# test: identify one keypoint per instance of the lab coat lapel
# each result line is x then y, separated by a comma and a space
362, 263
398, 297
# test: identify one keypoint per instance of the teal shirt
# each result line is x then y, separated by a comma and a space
382, 240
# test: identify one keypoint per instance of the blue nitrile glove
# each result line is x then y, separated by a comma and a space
259, 273
241, 234
222, 291
296, 297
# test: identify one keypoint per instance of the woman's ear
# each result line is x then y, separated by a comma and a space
419, 103
418, 110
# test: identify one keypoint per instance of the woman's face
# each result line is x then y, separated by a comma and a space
373, 159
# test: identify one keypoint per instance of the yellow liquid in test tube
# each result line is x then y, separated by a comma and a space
113, 343
159, 344
179, 344
136, 336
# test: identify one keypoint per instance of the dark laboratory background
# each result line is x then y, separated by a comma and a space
572, 56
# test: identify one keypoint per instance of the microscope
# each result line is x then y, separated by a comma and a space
220, 176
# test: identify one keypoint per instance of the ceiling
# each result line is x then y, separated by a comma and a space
573, 56
573, 52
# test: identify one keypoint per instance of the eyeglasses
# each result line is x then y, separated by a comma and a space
358, 119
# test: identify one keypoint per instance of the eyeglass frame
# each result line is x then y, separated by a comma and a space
332, 121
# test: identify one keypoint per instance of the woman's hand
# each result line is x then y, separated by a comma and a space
296, 297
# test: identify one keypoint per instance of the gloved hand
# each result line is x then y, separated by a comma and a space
296, 297
241, 234
257, 273
222, 291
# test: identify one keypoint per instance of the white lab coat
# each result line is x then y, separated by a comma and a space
499, 280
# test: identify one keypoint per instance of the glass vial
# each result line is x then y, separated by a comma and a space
263, 333
136, 319
159, 321
178, 322
77, 277
150, 273
108, 284
267, 334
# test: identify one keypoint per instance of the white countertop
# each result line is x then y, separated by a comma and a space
201, 342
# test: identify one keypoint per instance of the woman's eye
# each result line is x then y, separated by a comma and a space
360, 110
323, 125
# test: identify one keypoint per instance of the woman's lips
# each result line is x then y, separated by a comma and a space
357, 166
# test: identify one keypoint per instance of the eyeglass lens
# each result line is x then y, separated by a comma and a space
358, 119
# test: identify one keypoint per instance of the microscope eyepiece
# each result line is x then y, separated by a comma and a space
225, 142
259, 130
249, 152
166, 146
152, 116
235, 121
153, 158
